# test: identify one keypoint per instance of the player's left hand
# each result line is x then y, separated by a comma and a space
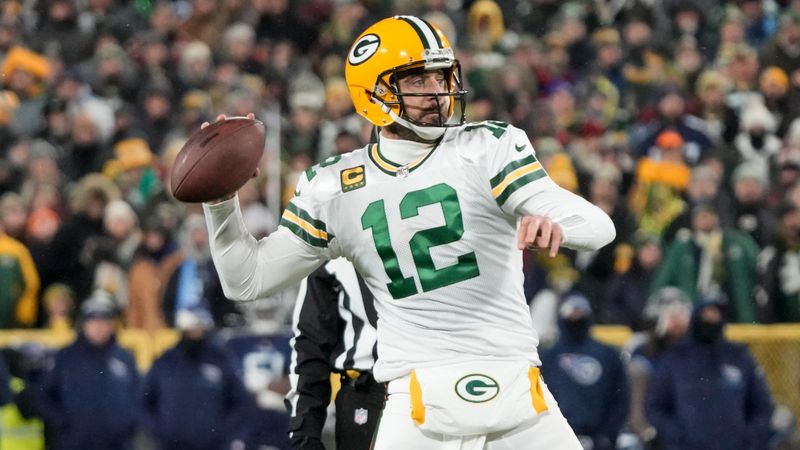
539, 232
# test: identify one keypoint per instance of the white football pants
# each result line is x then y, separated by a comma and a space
397, 431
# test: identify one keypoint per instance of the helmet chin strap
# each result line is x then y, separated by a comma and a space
427, 133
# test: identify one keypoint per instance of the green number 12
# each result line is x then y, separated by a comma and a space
430, 277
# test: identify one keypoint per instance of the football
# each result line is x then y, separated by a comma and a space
217, 160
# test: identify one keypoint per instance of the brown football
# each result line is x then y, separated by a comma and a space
217, 160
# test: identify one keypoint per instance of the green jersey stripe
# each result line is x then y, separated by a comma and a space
521, 181
510, 167
301, 213
303, 234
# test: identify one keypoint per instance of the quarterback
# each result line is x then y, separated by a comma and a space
430, 216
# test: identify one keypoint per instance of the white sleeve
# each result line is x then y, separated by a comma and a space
521, 187
585, 226
251, 269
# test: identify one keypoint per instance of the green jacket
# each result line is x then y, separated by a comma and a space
680, 268
19, 284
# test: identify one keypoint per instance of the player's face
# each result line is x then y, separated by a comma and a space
430, 109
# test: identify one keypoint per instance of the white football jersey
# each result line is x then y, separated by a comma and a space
435, 241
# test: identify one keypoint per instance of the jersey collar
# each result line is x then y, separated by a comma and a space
392, 168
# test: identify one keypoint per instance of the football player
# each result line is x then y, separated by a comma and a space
429, 216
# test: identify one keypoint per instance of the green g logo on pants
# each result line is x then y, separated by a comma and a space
476, 388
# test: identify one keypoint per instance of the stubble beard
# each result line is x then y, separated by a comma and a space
407, 134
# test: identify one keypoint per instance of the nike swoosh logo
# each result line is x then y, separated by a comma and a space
520, 147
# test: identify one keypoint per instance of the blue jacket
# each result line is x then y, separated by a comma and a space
588, 380
195, 400
709, 397
89, 397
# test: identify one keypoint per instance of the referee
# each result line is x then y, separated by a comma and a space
334, 331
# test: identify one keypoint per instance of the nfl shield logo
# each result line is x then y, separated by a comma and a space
360, 417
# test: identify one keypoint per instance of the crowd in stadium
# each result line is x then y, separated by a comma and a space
678, 118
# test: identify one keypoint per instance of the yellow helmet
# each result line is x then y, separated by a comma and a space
395, 45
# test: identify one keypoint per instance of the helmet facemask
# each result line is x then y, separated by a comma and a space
387, 91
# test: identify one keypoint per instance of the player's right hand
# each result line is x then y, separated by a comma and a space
539, 232
250, 116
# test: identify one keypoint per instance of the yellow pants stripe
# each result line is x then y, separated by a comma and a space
537, 396
417, 407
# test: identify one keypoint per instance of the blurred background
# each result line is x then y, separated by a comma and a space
678, 118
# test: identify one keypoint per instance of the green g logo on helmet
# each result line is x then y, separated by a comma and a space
364, 49
476, 388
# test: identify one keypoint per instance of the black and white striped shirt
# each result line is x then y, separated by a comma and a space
334, 331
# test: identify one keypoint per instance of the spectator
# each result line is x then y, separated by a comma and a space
60, 34
156, 118
192, 397
672, 115
644, 66
22, 430
122, 226
609, 56
666, 321
588, 377
704, 187
558, 164
59, 306
85, 151
720, 121
780, 276
19, 278
115, 251
112, 74
711, 260
784, 47
760, 23
89, 396
155, 261
739, 62
751, 213
561, 278
71, 87
205, 23
627, 291
258, 219
73, 251
661, 179
597, 268
24, 75
195, 67
779, 100
709, 393
756, 142
194, 284
786, 177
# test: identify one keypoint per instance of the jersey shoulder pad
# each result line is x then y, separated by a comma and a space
323, 181
489, 136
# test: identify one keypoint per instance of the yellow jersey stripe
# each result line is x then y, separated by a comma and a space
377, 158
310, 229
522, 171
